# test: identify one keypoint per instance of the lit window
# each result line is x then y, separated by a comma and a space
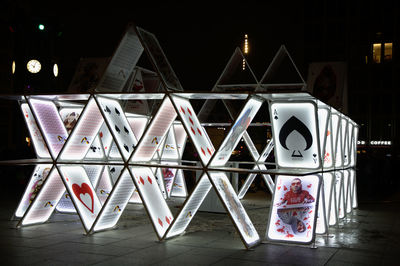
388, 51
376, 52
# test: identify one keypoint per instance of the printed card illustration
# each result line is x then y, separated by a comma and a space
295, 135
197, 133
52, 126
294, 211
38, 177
119, 125
236, 132
82, 192
82, 138
38, 142
157, 207
156, 131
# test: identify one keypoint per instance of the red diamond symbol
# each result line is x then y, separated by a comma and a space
198, 130
189, 111
141, 180
203, 151
182, 110
160, 222
148, 178
194, 132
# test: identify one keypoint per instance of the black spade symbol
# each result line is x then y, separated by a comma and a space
126, 130
117, 129
93, 148
314, 155
116, 111
275, 117
292, 124
112, 170
107, 110
126, 147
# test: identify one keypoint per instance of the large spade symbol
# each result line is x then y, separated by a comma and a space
292, 124
83, 191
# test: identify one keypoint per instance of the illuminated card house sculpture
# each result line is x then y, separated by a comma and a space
98, 151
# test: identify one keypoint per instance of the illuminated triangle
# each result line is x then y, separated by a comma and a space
282, 74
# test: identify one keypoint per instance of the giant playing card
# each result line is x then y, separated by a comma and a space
156, 206
82, 193
295, 135
197, 133
294, 208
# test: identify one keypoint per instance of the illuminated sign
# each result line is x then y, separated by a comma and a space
293, 210
295, 130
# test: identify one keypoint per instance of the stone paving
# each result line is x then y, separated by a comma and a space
369, 236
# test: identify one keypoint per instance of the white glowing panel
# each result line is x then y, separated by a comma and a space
65, 204
335, 133
119, 125
339, 149
347, 191
293, 209
156, 206
83, 136
180, 137
321, 225
138, 125
190, 207
197, 133
115, 171
156, 131
82, 193
104, 187
236, 132
70, 117
169, 175
333, 214
354, 145
339, 194
344, 136
170, 149
50, 122
329, 156
349, 141
353, 185
235, 208
116, 203
323, 120
38, 142
45, 202
179, 186
158, 173
295, 130
36, 181
328, 179
105, 138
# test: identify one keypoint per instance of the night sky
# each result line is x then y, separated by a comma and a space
198, 39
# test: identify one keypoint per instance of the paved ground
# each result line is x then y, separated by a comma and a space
370, 236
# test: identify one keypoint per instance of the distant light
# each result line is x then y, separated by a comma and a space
41, 27
55, 70
13, 67
245, 50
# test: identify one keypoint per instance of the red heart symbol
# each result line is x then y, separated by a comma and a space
160, 222
148, 178
27, 115
101, 134
279, 188
83, 189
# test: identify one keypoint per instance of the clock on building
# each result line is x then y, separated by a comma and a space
33, 66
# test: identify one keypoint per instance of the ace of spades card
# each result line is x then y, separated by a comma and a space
295, 134
119, 125
198, 135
